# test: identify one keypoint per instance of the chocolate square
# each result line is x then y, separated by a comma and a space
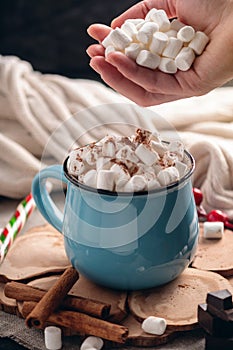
221, 299
212, 324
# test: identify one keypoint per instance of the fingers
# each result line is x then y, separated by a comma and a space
112, 77
152, 81
95, 50
98, 31
140, 10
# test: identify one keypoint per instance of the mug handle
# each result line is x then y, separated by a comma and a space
43, 200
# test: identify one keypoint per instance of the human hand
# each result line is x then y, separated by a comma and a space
147, 87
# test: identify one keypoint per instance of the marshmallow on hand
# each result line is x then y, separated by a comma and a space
140, 162
157, 43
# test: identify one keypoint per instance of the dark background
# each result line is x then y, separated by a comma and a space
51, 34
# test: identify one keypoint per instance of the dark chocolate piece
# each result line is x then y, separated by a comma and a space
226, 315
215, 343
221, 299
212, 324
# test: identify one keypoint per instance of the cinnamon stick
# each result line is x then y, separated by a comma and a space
82, 323
23, 292
52, 299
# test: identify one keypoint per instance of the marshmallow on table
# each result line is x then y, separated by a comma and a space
168, 176
105, 180
173, 47
92, 342
148, 59
186, 34
133, 50
145, 33
52, 337
154, 325
158, 42
213, 230
146, 154
185, 59
160, 17
167, 65
199, 42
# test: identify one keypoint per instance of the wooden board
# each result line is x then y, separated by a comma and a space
38, 252
215, 254
177, 301
85, 288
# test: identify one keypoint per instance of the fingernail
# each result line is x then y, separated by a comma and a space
93, 66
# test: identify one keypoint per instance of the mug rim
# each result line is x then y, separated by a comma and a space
75, 182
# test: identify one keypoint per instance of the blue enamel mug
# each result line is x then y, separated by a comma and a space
123, 240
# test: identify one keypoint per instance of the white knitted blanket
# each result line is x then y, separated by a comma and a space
43, 116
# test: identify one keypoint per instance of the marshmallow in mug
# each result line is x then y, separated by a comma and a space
140, 162
156, 42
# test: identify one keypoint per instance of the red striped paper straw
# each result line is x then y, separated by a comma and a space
15, 225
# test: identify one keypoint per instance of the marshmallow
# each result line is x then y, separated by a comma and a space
126, 153
146, 154
76, 165
109, 148
158, 42
52, 337
186, 34
92, 155
173, 47
154, 325
168, 176
169, 158
103, 163
121, 175
177, 148
199, 42
107, 41
153, 184
90, 178
176, 25
185, 59
181, 167
135, 21
213, 230
147, 59
92, 342
158, 147
135, 184
118, 39
105, 180
160, 18
145, 33
130, 29
171, 33
133, 50
167, 65
109, 49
